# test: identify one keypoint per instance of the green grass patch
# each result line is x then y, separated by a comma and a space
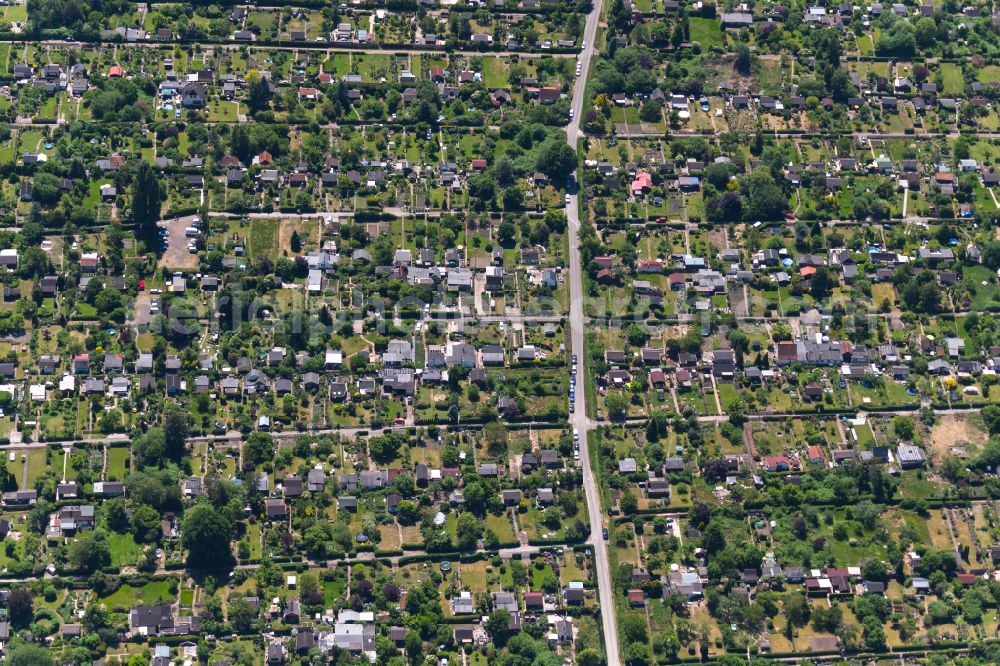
264, 238
124, 550
705, 31
952, 79
151, 593
117, 457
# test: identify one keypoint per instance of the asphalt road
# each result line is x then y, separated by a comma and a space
577, 322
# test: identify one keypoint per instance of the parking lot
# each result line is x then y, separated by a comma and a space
176, 256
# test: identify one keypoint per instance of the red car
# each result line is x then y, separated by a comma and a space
142, 285
789, 215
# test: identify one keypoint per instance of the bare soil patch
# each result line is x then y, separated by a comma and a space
956, 434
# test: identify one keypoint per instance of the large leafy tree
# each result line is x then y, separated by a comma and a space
206, 534
30, 655
175, 431
556, 160
90, 552
259, 447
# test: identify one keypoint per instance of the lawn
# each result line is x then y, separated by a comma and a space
769, 74
264, 238
372, 66
705, 31
223, 112
264, 20
988, 74
16, 13
953, 82
151, 593
48, 109
117, 457
495, 73
30, 141
983, 296
124, 550
36, 466
333, 590
865, 45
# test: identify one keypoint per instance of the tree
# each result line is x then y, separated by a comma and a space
116, 514
259, 447
505, 171
903, 427
175, 431
797, 609
634, 628
45, 188
740, 343
991, 417
468, 531
206, 534
33, 262
258, 92
150, 448
30, 655
867, 513
481, 187
556, 159
991, 255
651, 111
841, 86
874, 633
898, 40
145, 523
925, 32
408, 512
637, 654
875, 570
629, 504
498, 626
767, 201
744, 59
147, 198
828, 619
513, 198
617, 406
820, 283
413, 646
309, 587
590, 657
241, 615
21, 606
90, 552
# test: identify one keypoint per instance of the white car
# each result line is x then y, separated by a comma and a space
584, 45
568, 199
